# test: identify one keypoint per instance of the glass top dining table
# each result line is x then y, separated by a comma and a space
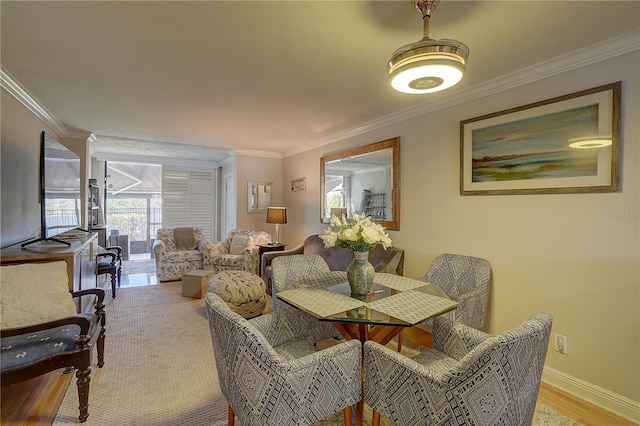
394, 300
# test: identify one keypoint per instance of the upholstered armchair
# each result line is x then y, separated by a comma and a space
239, 251
301, 269
179, 250
468, 378
40, 331
465, 279
272, 374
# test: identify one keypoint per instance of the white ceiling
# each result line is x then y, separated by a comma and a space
276, 77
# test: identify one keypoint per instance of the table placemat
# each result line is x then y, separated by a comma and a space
320, 301
412, 306
323, 279
397, 282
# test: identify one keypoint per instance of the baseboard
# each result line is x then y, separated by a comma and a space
600, 397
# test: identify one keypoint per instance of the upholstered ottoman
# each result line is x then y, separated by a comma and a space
242, 291
194, 283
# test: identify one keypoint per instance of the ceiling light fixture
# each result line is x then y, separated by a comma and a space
427, 65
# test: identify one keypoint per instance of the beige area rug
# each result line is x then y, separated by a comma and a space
160, 370
159, 366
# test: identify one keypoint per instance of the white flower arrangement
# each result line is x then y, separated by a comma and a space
357, 234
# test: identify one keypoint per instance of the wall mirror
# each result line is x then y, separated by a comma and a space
364, 180
259, 196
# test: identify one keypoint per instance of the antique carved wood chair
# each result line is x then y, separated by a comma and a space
40, 330
110, 262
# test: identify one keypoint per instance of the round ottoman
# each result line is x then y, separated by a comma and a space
243, 292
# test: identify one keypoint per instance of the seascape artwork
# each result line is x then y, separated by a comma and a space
536, 147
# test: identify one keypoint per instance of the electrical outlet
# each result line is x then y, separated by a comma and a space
562, 344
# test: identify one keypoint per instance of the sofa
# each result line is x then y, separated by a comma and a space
239, 251
179, 250
390, 260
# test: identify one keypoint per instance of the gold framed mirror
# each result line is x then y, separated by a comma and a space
363, 180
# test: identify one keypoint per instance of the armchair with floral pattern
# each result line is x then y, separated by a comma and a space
179, 250
239, 251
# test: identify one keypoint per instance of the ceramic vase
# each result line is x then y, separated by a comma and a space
360, 273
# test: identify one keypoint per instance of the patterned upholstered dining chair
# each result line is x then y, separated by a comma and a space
290, 271
271, 373
468, 378
465, 279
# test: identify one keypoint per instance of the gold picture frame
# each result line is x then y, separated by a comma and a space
536, 148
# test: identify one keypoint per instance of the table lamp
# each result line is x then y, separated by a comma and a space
277, 215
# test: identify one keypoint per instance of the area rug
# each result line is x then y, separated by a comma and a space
159, 367
160, 370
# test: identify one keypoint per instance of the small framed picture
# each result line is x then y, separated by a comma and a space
298, 184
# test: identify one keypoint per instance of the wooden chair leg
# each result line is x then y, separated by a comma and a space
113, 284
231, 416
84, 378
100, 348
375, 421
400, 335
347, 416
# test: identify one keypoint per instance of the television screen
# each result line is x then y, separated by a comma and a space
60, 188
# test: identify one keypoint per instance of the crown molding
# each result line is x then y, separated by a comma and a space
11, 85
605, 50
146, 159
257, 153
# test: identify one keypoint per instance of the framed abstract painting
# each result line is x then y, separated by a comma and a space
568, 144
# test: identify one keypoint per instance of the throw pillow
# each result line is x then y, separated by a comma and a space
239, 243
34, 293
185, 238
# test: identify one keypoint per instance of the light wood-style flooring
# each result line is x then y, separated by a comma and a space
36, 402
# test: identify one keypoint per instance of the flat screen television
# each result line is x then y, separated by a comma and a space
60, 200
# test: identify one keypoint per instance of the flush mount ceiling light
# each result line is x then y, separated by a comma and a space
427, 65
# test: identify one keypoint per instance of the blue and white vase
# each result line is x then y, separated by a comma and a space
360, 273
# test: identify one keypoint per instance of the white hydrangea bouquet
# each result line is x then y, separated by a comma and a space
357, 234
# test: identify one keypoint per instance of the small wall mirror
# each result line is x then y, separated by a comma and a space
364, 180
259, 196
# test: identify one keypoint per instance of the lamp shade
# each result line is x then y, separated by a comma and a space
277, 215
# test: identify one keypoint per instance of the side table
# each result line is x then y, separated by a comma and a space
263, 248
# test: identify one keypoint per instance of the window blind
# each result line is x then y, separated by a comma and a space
189, 199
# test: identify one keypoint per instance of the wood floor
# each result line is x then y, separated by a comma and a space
36, 402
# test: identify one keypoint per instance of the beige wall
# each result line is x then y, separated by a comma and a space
558, 253
257, 169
